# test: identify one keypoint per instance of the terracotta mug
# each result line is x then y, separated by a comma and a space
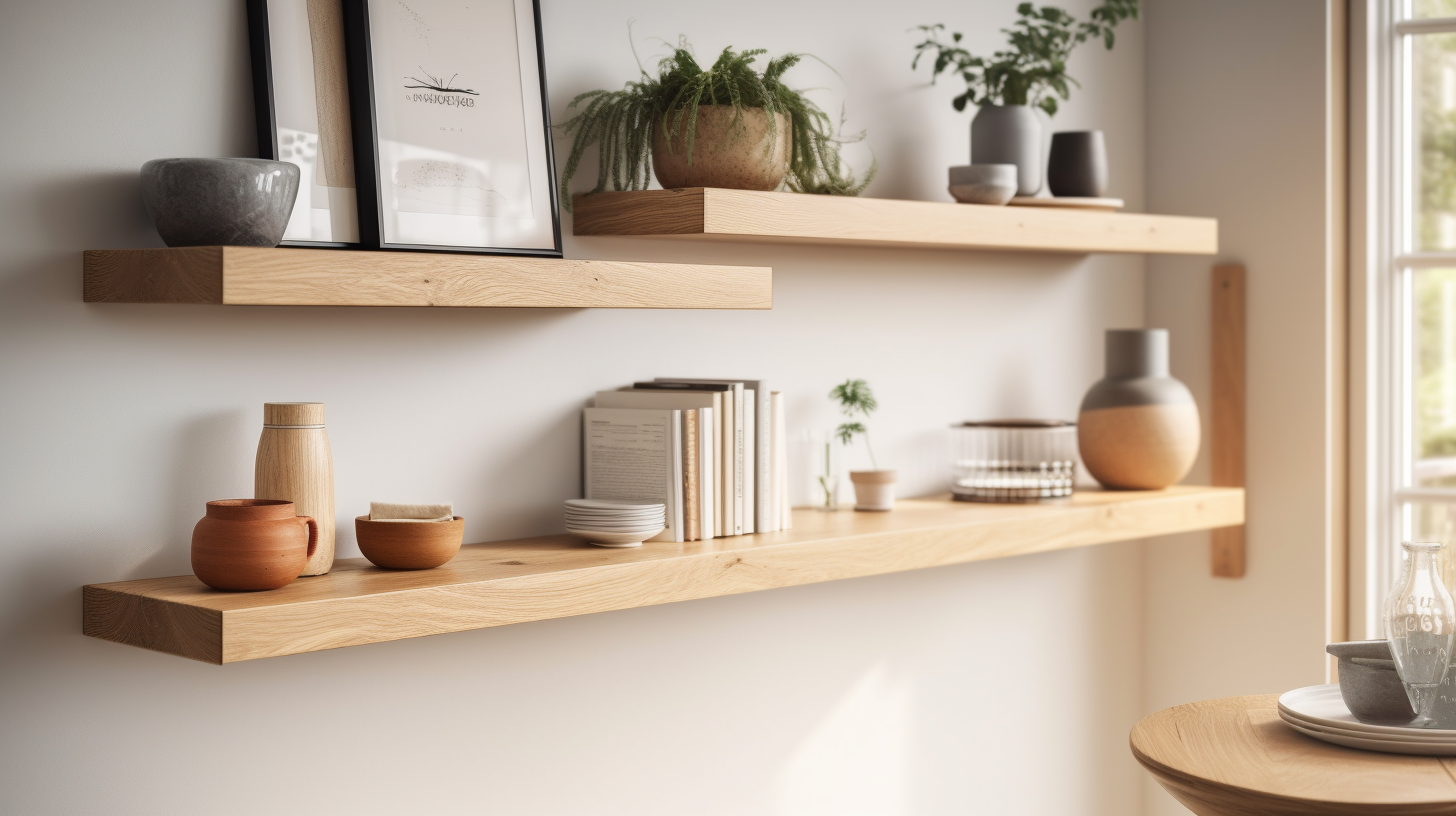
251, 544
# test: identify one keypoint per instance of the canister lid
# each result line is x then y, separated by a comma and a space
293, 413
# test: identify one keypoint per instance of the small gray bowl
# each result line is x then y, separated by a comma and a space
230, 202
993, 184
1369, 684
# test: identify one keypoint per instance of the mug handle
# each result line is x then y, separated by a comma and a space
312, 534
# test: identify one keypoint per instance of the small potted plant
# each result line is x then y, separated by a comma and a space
1030, 73
873, 489
725, 126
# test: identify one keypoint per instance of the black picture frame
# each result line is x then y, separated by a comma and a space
266, 120
369, 176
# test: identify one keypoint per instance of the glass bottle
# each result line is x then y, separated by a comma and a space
1420, 619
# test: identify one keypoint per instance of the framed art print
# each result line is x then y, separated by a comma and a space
301, 95
452, 126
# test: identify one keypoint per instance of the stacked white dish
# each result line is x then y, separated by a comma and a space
610, 523
1320, 712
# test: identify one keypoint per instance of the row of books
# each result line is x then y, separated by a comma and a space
713, 451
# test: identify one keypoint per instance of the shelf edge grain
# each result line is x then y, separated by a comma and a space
181, 275
185, 630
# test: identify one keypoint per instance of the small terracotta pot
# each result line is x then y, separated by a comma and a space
724, 155
251, 544
874, 490
409, 545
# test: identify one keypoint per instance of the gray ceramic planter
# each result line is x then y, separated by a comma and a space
228, 202
1369, 684
1009, 134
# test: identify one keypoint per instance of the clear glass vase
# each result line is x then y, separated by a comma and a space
819, 455
1420, 620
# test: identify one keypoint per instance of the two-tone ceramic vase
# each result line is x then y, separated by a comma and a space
1138, 427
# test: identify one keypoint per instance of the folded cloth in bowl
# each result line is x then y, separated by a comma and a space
390, 511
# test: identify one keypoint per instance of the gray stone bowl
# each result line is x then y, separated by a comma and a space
993, 184
1369, 684
230, 202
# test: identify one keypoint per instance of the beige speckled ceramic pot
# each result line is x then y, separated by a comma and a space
744, 160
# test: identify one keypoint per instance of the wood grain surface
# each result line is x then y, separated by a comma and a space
1226, 417
296, 464
1235, 757
558, 576
327, 277
792, 217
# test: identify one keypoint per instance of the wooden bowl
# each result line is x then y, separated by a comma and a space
409, 545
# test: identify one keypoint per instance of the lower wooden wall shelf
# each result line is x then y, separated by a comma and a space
255, 276
557, 576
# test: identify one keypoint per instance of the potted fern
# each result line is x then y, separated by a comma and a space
728, 125
873, 489
1009, 84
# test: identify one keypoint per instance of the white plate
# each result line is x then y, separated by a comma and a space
1322, 705
1345, 732
658, 514
1385, 746
603, 538
612, 504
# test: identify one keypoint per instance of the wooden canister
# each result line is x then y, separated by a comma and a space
295, 464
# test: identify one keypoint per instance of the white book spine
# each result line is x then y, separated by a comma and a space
707, 482
750, 462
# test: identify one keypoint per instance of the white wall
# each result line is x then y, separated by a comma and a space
1236, 130
928, 692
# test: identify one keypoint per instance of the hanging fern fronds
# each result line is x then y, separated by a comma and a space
621, 124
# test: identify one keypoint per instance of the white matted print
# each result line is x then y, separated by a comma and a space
460, 126
302, 103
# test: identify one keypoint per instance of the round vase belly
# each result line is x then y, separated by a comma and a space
1139, 447
1138, 428
251, 544
741, 156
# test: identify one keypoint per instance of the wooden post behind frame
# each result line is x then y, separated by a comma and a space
1226, 421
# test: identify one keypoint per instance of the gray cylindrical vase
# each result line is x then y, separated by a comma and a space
1138, 427
1077, 165
1009, 134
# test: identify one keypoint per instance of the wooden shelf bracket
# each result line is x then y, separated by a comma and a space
1226, 420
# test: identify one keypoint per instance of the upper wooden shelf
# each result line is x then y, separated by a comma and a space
744, 215
330, 277
558, 576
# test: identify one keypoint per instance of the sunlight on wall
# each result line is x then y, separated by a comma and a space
857, 759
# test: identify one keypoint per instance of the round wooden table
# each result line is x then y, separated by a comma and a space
1235, 757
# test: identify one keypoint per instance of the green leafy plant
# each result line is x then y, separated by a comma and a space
1033, 70
855, 400
622, 123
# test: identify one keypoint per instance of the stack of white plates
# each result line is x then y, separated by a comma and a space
608, 523
1319, 712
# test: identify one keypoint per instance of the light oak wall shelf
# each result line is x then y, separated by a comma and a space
743, 215
325, 277
557, 576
